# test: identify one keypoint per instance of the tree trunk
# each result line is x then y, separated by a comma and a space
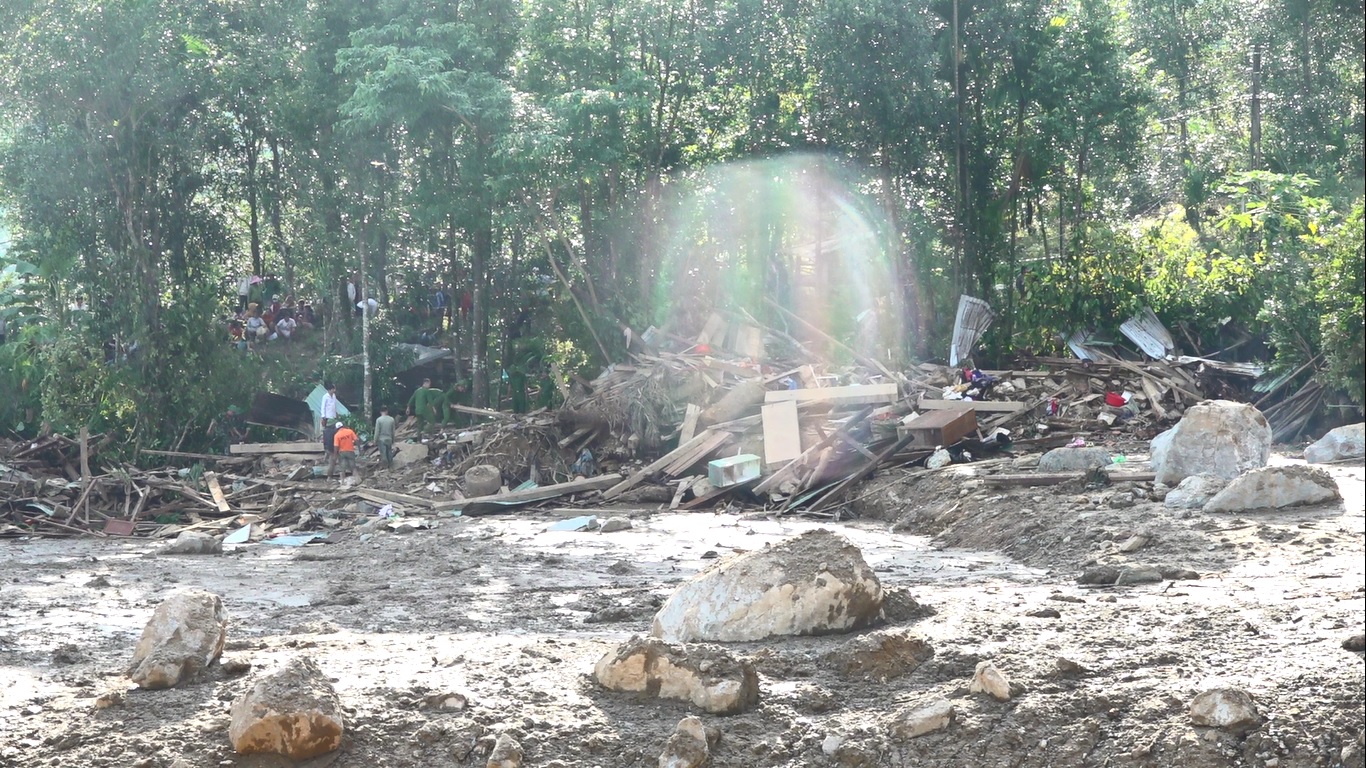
278, 188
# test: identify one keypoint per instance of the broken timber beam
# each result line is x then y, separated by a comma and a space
310, 446
532, 495
216, 491
981, 406
659, 464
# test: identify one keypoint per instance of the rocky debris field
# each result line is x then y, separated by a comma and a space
953, 623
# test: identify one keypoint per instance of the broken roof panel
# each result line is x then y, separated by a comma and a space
1150, 335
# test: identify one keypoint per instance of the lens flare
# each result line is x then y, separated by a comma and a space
797, 232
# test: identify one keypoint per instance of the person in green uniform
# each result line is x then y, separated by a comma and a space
458, 394
426, 404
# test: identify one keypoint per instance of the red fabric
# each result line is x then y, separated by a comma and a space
1115, 400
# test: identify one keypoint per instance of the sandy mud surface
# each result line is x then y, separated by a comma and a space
506, 619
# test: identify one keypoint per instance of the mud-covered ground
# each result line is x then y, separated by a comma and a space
512, 617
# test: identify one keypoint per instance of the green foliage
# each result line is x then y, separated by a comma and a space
1339, 278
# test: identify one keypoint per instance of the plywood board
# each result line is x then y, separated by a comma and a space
216, 491
783, 440
690, 425
856, 394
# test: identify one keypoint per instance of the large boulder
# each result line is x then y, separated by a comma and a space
816, 583
707, 678
1066, 459
410, 453
292, 712
185, 634
1216, 437
1339, 443
1195, 491
1275, 488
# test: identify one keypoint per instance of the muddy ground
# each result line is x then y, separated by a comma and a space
512, 617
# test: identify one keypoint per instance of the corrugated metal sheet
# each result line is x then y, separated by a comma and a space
1150, 335
971, 320
1081, 344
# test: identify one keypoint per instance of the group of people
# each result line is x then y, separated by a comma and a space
429, 404
278, 321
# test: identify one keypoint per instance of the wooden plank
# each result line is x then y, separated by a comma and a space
981, 406
532, 495
187, 455
869, 466
783, 439
1055, 478
703, 451
216, 491
482, 412
714, 325
85, 454
690, 426
855, 394
309, 446
393, 497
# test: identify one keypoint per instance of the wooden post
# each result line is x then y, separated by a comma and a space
85, 454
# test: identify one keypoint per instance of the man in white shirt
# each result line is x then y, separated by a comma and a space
285, 327
328, 413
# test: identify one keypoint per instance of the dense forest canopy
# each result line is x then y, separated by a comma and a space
565, 169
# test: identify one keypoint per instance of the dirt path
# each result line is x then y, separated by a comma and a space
513, 617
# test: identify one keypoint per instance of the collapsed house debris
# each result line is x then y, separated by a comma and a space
689, 423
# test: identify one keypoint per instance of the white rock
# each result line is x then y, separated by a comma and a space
1275, 488
1227, 708
1068, 459
185, 634
988, 679
939, 458
687, 746
831, 743
614, 524
1339, 443
292, 711
410, 453
928, 718
1195, 491
507, 753
194, 543
482, 480
708, 678
815, 583
1216, 437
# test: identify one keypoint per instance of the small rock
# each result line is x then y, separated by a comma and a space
1071, 598
831, 743
111, 699
1068, 667
482, 480
194, 543
1134, 543
507, 753
235, 667
445, 702
292, 712
1068, 459
934, 716
1174, 573
1121, 500
1138, 576
613, 524
1229, 709
939, 458
185, 634
1044, 613
1098, 574
689, 746
708, 678
1354, 643
990, 680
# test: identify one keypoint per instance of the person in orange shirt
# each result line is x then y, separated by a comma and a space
345, 442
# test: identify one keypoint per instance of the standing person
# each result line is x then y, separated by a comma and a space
425, 404
344, 443
327, 412
244, 289
384, 436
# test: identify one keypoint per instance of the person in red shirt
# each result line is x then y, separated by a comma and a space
345, 442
